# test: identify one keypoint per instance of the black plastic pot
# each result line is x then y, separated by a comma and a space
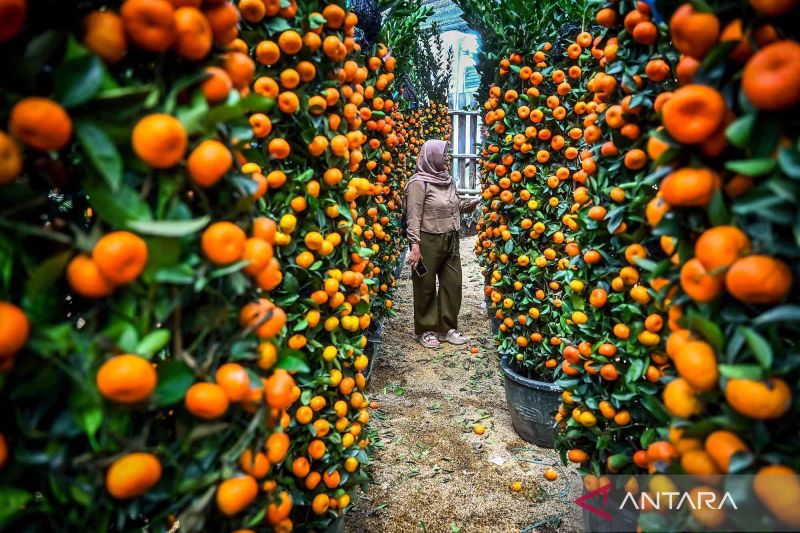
374, 335
532, 404
622, 520
337, 526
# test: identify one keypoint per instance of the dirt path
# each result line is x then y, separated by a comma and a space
432, 472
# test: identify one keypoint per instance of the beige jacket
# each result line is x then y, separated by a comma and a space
435, 210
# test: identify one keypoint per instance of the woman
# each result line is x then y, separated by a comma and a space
433, 212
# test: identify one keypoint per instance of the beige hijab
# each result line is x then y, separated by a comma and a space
432, 164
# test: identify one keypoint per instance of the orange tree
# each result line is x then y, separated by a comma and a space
533, 159
611, 372
182, 286
728, 198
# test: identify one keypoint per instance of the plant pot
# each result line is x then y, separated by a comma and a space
622, 520
337, 526
532, 404
374, 335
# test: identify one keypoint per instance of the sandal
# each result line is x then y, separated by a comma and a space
453, 337
429, 340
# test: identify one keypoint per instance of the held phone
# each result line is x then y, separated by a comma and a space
420, 268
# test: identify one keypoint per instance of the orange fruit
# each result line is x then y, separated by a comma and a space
209, 162
240, 68
773, 8
126, 378
278, 511
278, 388
693, 33
159, 140
721, 445
10, 159
132, 475
223, 243
86, 279
698, 283
149, 24
759, 279
217, 86
14, 329
770, 80
120, 256
193, 35
40, 123
13, 14
720, 246
104, 35
689, 187
233, 379
759, 399
236, 494
778, 489
680, 400
693, 113
206, 400
696, 362
255, 465
277, 447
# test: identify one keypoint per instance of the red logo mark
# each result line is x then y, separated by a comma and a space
604, 490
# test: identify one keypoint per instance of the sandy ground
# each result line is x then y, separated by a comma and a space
431, 471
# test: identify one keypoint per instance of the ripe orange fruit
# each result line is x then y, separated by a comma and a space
217, 86
277, 447
693, 113
223, 243
689, 187
255, 465
773, 8
206, 400
696, 363
661, 451
264, 316
10, 159
120, 256
209, 162
132, 475
233, 379
236, 494
150, 24
698, 283
770, 77
693, 33
240, 68
193, 34
40, 123
778, 489
720, 246
278, 511
104, 35
278, 388
550, 473
126, 379
159, 140
680, 400
14, 329
759, 279
577, 456
721, 445
761, 400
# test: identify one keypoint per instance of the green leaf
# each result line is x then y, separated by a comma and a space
45, 275
707, 329
782, 313
78, 80
741, 371
169, 228
116, 208
751, 167
87, 408
293, 363
101, 152
789, 161
174, 379
758, 345
153, 342
12, 501
738, 133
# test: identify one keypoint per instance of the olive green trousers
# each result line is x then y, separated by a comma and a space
438, 311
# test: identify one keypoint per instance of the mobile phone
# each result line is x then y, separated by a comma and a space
420, 268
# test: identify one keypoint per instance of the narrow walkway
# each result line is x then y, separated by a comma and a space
433, 472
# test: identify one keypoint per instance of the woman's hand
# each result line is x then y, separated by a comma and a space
414, 257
